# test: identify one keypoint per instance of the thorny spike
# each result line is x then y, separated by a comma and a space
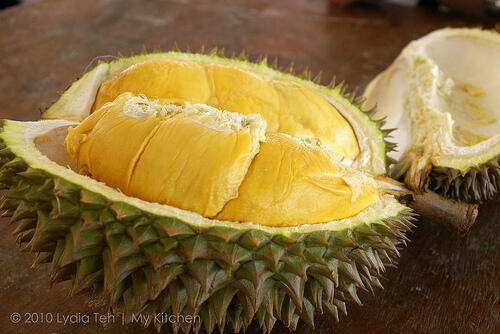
317, 78
263, 60
332, 83
353, 94
243, 55
306, 74
221, 53
340, 87
213, 52
274, 64
156, 49
371, 112
344, 89
387, 131
175, 47
359, 101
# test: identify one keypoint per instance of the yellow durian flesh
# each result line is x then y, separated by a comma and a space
287, 107
105, 146
290, 184
169, 159
218, 167
193, 167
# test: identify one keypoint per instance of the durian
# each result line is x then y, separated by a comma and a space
442, 95
199, 185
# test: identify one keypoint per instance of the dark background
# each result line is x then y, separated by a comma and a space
444, 284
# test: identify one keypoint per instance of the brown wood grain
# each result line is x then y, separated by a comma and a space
444, 284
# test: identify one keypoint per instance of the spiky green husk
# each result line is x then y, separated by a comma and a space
477, 185
136, 262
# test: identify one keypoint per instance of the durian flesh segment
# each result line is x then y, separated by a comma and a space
291, 184
105, 147
170, 159
287, 107
194, 163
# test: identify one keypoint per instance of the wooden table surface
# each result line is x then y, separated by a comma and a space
444, 284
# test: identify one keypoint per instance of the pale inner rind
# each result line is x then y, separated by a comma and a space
441, 94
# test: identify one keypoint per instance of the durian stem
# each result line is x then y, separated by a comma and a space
456, 216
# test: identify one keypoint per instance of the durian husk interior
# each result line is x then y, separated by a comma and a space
203, 255
441, 95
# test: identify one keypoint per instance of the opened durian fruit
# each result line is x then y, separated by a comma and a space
442, 95
200, 185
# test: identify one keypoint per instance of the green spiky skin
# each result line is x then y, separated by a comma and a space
477, 185
139, 263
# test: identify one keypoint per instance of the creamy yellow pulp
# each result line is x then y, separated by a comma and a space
288, 107
230, 172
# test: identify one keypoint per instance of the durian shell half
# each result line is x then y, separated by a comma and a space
442, 95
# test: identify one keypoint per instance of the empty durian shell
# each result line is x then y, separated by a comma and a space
442, 95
